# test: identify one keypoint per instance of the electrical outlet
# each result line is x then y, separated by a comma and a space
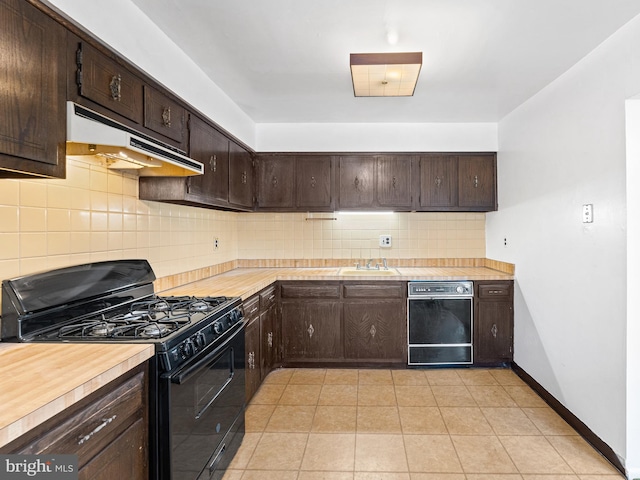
385, 241
216, 243
504, 241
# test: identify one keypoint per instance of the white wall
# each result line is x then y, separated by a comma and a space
563, 148
633, 287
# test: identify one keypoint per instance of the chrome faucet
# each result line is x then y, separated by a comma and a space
368, 265
384, 263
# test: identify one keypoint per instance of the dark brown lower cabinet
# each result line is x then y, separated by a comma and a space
493, 322
269, 331
112, 425
311, 330
253, 376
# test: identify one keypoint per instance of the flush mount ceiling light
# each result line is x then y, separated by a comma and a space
385, 74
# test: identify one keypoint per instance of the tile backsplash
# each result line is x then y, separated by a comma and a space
94, 214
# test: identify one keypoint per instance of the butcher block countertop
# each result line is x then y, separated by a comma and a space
244, 282
39, 380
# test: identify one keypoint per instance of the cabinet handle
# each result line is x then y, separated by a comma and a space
253, 310
373, 331
274, 181
244, 177
494, 330
310, 330
105, 422
251, 361
115, 87
438, 182
356, 183
166, 117
213, 163
313, 182
271, 297
475, 181
270, 339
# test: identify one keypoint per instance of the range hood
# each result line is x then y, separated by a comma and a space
123, 148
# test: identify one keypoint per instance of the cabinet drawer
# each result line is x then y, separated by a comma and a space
378, 290
163, 115
92, 428
251, 308
107, 83
310, 291
494, 291
267, 297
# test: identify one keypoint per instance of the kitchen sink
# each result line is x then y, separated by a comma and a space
372, 272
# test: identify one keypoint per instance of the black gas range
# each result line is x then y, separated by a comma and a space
196, 377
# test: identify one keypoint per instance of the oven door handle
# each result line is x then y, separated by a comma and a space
182, 376
213, 399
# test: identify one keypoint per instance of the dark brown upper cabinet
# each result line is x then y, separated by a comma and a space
356, 182
314, 183
394, 182
105, 82
32, 92
165, 116
460, 182
275, 182
241, 188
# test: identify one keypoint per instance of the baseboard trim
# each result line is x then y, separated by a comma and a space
577, 424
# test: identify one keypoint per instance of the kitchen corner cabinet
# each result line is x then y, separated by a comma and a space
493, 322
107, 430
375, 322
33, 92
241, 185
457, 183
368, 182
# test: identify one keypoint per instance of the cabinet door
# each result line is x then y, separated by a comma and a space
275, 182
313, 183
165, 116
252, 360
394, 181
374, 330
357, 182
240, 177
108, 83
210, 147
438, 182
477, 182
311, 330
493, 336
269, 342
32, 91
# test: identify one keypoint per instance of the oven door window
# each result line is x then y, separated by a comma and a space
204, 404
440, 321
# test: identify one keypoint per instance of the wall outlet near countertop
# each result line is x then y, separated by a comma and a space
216, 243
385, 241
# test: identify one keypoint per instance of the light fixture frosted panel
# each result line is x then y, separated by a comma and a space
385, 74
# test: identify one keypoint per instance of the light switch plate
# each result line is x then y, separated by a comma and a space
587, 213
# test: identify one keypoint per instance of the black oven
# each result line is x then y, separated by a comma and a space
440, 323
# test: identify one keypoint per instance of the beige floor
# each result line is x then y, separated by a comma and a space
462, 424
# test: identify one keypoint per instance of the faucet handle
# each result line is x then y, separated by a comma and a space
357, 265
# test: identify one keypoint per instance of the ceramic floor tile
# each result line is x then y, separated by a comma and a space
291, 418
524, 396
381, 476
509, 421
378, 420
482, 454
506, 376
431, 453
380, 453
491, 396
308, 376
325, 475
465, 421
437, 476
414, 396
425, 420
341, 377
376, 395
281, 375
534, 455
279, 451
375, 377
548, 421
268, 394
601, 477
257, 416
443, 377
338, 395
269, 475
409, 377
334, 419
300, 395
550, 477
244, 453
474, 376
453, 396
580, 456
330, 451
233, 474
495, 476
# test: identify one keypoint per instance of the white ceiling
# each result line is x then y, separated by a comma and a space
288, 60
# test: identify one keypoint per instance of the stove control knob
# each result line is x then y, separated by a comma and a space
460, 289
187, 349
217, 327
200, 340
236, 316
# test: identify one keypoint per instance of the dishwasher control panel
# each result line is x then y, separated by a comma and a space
440, 289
